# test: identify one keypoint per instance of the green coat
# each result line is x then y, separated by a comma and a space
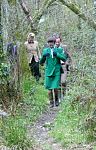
52, 68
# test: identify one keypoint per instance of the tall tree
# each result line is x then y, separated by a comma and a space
47, 3
34, 20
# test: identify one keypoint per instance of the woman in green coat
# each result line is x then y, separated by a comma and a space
52, 56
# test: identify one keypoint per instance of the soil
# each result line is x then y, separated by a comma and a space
41, 128
40, 133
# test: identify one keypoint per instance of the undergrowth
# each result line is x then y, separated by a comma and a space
76, 121
14, 128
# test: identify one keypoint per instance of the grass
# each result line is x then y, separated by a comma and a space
75, 123
67, 126
33, 103
35, 97
15, 133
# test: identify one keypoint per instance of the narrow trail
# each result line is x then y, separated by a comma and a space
40, 133
40, 130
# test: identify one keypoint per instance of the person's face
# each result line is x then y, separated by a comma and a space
31, 39
51, 44
57, 42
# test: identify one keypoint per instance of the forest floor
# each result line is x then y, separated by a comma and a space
40, 130
41, 133
40, 121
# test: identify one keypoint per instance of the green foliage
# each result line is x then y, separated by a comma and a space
76, 122
34, 102
4, 73
1, 57
15, 133
4, 68
67, 129
35, 98
13, 2
23, 60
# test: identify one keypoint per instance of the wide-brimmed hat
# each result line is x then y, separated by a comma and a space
51, 39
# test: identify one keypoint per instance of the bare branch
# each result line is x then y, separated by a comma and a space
27, 13
77, 11
45, 6
34, 20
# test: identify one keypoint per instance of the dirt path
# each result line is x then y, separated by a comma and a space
41, 128
40, 132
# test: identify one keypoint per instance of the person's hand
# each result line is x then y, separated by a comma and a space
46, 55
54, 53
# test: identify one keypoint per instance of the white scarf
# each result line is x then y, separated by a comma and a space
52, 50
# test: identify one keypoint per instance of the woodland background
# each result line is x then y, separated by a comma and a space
75, 21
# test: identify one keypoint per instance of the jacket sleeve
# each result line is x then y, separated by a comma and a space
43, 59
62, 56
38, 51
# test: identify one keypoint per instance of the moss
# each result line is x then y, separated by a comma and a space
13, 2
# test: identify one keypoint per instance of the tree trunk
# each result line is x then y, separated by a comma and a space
10, 87
34, 20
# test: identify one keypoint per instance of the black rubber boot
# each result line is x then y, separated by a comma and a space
56, 102
37, 78
59, 94
51, 99
56, 99
51, 104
